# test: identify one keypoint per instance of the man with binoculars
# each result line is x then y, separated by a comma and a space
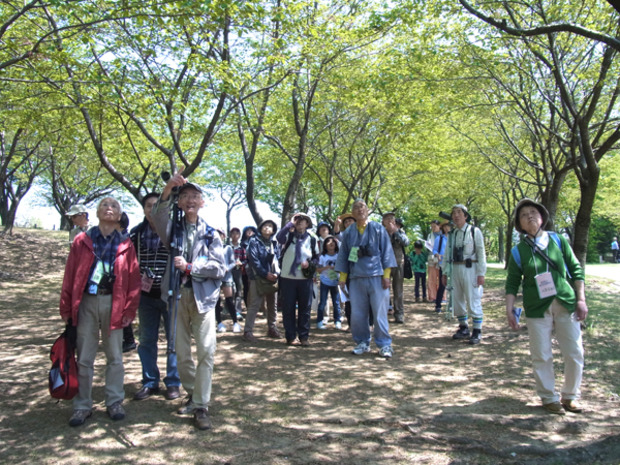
465, 263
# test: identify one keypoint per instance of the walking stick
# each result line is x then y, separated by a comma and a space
176, 249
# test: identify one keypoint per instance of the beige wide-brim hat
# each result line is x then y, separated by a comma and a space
540, 207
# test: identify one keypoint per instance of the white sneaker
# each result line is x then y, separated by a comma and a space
236, 328
386, 351
338, 325
221, 328
360, 349
321, 325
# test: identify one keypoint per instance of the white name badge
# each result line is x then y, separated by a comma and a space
147, 283
97, 272
545, 285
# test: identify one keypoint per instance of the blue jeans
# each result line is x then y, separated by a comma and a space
296, 293
150, 312
367, 294
333, 290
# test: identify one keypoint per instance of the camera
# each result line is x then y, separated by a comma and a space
468, 263
363, 251
107, 281
458, 254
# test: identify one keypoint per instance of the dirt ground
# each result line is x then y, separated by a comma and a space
438, 401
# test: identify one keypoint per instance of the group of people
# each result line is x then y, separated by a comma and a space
173, 268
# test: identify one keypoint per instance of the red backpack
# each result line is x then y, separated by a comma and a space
63, 377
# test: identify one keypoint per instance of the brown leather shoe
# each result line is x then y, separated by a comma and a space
304, 343
571, 405
555, 408
201, 419
274, 333
248, 336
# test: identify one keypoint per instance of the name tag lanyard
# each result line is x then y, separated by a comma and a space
544, 281
100, 268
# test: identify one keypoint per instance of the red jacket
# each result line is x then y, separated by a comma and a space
126, 288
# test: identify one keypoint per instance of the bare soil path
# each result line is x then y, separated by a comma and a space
438, 401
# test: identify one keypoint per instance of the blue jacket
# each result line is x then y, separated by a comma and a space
377, 242
259, 257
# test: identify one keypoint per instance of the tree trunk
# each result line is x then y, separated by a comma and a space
582, 221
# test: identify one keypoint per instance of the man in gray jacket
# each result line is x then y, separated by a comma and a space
201, 266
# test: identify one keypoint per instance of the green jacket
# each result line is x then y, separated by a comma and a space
533, 305
418, 261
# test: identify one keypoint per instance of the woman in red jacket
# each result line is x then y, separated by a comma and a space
101, 291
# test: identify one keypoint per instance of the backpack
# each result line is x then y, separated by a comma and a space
63, 376
517, 256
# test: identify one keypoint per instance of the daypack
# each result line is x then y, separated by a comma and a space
517, 256
63, 376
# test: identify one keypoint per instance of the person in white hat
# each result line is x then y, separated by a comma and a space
79, 218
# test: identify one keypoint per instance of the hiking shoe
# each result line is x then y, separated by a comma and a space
304, 342
221, 328
273, 333
321, 325
338, 325
475, 337
360, 349
248, 336
386, 352
438, 310
571, 405
555, 408
462, 333
239, 316
129, 346
236, 328
79, 416
116, 410
188, 407
201, 419
399, 319
417, 299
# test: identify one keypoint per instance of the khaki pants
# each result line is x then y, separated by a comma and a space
254, 303
568, 334
196, 377
93, 317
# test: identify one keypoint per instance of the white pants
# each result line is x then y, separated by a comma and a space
568, 334
466, 294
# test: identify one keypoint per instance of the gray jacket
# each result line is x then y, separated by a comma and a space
209, 264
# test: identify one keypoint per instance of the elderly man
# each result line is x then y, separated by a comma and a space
153, 258
399, 241
366, 258
100, 295
201, 266
465, 262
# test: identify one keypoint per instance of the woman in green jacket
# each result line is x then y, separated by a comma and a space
550, 302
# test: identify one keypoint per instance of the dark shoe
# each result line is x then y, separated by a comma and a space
116, 411
172, 393
290, 342
399, 319
79, 417
274, 333
201, 419
462, 333
188, 407
571, 405
475, 337
417, 299
438, 310
304, 343
249, 337
129, 346
145, 392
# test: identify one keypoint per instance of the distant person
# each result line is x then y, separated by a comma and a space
79, 220
418, 263
432, 284
615, 250
202, 266
239, 254
153, 311
399, 240
246, 235
262, 264
100, 295
129, 341
329, 282
227, 290
366, 259
439, 250
551, 302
